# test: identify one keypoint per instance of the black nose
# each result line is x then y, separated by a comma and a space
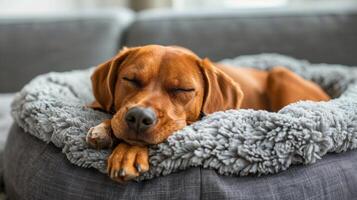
140, 119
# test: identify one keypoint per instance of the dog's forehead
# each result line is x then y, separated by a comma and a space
157, 60
171, 65
178, 64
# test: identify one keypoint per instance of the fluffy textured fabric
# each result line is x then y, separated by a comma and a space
235, 142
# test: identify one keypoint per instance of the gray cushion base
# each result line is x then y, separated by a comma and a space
36, 170
238, 142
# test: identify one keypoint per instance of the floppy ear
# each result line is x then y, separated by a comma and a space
103, 82
221, 91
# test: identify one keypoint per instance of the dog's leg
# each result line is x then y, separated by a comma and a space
285, 87
100, 136
127, 162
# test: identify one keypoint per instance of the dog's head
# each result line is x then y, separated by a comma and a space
155, 90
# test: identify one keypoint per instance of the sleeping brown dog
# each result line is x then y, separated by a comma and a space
153, 91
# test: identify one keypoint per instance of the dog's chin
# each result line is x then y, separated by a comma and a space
143, 139
137, 142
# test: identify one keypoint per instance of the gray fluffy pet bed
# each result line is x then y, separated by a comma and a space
235, 142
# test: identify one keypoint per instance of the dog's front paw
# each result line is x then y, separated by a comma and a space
127, 162
99, 137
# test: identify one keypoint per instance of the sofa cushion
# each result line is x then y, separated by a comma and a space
31, 45
317, 34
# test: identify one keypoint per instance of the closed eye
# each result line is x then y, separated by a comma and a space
132, 81
178, 90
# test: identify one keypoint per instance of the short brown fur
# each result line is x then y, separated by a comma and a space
159, 71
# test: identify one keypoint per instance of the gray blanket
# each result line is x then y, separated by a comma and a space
234, 142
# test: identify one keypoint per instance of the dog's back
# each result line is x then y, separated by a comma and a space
272, 90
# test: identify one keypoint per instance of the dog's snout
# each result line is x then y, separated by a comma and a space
140, 119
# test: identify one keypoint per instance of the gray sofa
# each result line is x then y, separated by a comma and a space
30, 46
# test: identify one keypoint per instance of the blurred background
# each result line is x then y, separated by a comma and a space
18, 7
46, 35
